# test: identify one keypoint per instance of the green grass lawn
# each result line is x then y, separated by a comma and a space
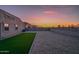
19, 44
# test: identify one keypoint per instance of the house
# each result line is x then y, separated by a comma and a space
10, 25
27, 25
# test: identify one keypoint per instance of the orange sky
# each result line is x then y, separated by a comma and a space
51, 18
44, 22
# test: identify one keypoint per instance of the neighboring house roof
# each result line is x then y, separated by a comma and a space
26, 23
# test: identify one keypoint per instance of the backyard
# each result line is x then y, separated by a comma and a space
19, 44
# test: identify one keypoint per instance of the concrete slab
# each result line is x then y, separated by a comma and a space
47, 42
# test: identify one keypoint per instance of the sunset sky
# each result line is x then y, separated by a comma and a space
41, 15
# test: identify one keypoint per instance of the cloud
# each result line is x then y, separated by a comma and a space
50, 12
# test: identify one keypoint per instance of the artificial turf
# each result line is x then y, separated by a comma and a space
19, 44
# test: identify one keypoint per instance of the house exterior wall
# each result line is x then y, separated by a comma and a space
12, 21
0, 30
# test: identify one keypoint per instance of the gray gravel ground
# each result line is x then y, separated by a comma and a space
47, 42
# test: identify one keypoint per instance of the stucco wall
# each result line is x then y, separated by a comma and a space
12, 21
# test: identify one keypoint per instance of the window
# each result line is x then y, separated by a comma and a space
16, 26
6, 27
